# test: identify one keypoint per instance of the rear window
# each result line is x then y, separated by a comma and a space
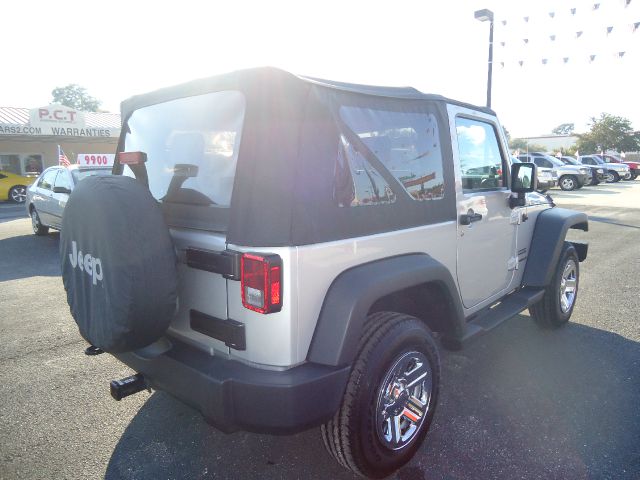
89, 172
191, 145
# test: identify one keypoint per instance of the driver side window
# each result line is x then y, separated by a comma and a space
62, 180
481, 163
48, 179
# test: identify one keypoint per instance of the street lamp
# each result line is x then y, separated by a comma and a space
485, 15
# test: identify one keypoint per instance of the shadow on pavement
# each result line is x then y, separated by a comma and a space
518, 403
29, 256
611, 221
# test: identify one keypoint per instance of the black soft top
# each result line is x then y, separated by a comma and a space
283, 192
271, 74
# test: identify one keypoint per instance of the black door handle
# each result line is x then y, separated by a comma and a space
468, 218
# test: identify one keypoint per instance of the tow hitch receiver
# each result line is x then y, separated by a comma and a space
128, 386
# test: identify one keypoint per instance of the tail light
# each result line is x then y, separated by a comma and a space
261, 282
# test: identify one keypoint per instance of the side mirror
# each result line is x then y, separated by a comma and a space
523, 180
61, 190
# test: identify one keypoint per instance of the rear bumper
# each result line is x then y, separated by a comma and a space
234, 396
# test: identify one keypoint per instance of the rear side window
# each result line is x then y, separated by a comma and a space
191, 145
481, 163
408, 146
357, 182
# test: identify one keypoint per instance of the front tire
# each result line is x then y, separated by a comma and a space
556, 307
568, 182
36, 224
612, 177
18, 194
390, 397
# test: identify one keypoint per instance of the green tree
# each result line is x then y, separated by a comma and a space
76, 97
524, 146
564, 129
609, 132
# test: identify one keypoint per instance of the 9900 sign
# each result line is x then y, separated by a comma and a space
96, 160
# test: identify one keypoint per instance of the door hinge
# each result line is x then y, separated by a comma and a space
512, 264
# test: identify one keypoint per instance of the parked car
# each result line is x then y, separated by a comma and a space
598, 174
547, 177
615, 171
570, 177
14, 187
47, 197
321, 237
634, 167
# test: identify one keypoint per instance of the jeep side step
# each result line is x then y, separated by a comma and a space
128, 386
493, 316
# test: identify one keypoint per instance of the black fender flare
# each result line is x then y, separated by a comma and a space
546, 244
354, 291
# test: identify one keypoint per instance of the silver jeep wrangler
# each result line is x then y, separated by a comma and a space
283, 252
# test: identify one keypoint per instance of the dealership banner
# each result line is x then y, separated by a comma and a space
58, 121
51, 131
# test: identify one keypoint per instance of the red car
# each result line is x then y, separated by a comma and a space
633, 166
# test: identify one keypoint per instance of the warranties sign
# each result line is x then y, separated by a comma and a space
57, 121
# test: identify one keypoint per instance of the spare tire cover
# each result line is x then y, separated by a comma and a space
118, 263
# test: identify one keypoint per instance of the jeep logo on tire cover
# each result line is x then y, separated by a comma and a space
89, 264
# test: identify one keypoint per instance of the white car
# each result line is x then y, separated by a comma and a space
47, 196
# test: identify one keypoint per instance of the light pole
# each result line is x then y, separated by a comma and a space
487, 15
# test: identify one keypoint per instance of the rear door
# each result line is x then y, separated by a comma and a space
42, 198
192, 148
58, 201
487, 227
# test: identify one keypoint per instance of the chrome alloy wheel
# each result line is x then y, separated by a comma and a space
568, 183
609, 178
404, 400
568, 286
19, 194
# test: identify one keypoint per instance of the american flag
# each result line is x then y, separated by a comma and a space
62, 158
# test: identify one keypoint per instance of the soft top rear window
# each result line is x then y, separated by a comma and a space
192, 150
81, 174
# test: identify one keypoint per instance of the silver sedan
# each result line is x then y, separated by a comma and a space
48, 195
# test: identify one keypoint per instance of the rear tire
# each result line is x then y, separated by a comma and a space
36, 224
568, 182
390, 397
18, 194
556, 307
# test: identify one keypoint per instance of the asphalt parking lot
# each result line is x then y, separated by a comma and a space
519, 403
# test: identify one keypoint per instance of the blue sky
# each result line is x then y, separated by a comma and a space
118, 49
